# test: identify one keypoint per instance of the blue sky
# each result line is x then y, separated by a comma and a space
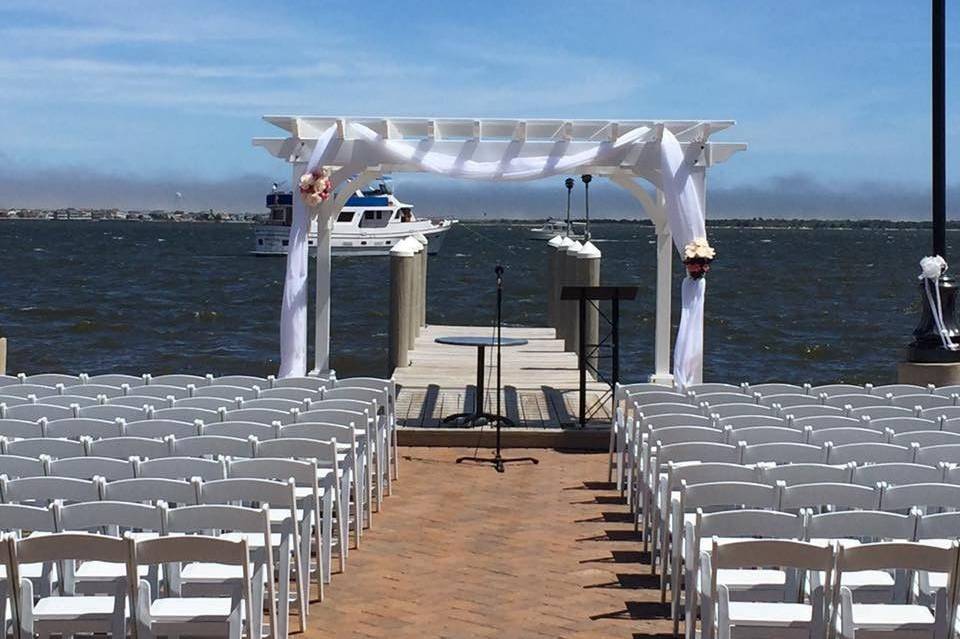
835, 91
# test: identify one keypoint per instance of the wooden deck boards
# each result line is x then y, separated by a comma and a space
540, 380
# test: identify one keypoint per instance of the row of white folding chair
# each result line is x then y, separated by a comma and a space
838, 559
66, 613
153, 393
248, 381
290, 517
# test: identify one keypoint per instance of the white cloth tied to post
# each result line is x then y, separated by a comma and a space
684, 213
931, 268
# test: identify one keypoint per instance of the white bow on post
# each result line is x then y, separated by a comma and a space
931, 268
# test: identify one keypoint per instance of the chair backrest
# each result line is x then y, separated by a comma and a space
896, 473
874, 453
784, 453
925, 438
52, 379
861, 524
72, 546
115, 379
311, 383
881, 412
817, 495
21, 517
813, 410
152, 489
732, 494
925, 496
127, 447
826, 421
177, 381
259, 415
748, 421
949, 412
77, 427
20, 428
337, 411
22, 390
226, 392
706, 473
208, 403
787, 400
696, 451
158, 428
901, 389
923, 401
904, 424
716, 387
749, 522
111, 412
766, 435
15, 466
7, 380
840, 436
163, 391
897, 555
6, 401
241, 430
182, 468
939, 526
775, 388
791, 474
188, 415
674, 434
769, 553
190, 548
716, 399
47, 489
271, 403
323, 452
663, 408
279, 494
99, 516
49, 446
211, 445
291, 393
33, 412
302, 472
857, 400
70, 400
677, 419
380, 396
838, 389
90, 467
96, 390
658, 397
944, 453
243, 381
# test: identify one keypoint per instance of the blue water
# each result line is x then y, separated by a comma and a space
799, 305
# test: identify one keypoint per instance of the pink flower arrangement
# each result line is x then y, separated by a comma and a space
315, 187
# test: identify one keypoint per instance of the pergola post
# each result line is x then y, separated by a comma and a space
661, 353
321, 334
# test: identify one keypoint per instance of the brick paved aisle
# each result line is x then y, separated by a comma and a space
461, 551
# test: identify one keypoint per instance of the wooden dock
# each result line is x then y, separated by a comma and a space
540, 380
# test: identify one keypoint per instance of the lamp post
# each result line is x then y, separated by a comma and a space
569, 184
586, 199
927, 346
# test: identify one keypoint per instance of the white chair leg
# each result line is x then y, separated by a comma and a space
326, 536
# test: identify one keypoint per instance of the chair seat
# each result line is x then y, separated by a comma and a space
780, 615
187, 609
739, 579
891, 616
198, 572
74, 608
105, 571
255, 540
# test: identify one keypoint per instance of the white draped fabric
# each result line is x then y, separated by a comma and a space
293, 311
686, 219
684, 213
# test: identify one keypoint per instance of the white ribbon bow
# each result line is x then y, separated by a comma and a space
931, 268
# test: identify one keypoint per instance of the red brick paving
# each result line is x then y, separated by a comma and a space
461, 551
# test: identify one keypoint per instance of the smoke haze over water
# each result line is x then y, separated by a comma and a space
789, 196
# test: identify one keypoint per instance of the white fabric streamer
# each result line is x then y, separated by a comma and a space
931, 268
686, 219
293, 311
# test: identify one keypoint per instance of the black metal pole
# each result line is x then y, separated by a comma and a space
939, 120
499, 271
583, 357
569, 184
586, 201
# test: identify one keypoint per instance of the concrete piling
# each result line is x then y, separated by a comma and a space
553, 279
424, 260
588, 274
3, 355
402, 332
568, 309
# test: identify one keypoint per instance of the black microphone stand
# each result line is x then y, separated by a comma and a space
498, 460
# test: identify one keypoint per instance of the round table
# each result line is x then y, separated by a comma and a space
480, 343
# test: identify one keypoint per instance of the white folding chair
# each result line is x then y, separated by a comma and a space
717, 387
881, 412
901, 389
896, 473
162, 391
67, 614
7, 401
242, 430
189, 415
787, 400
942, 454
923, 401
766, 435
210, 446
380, 384
111, 412
749, 421
858, 401
775, 388
716, 399
950, 413
89, 467
8, 605
96, 390
33, 412
152, 490
24, 390
832, 496
839, 389
77, 427
183, 468
658, 397
43, 490
812, 410
847, 435
176, 380
260, 415
784, 619
926, 497
244, 381
48, 446
310, 383
820, 422
197, 616
52, 379
790, 474
925, 438
227, 392
291, 393
873, 453
784, 453
20, 428
23, 520
905, 424
114, 379
662, 408
282, 542
271, 403
71, 400
721, 411
383, 427
16, 466
901, 618
127, 447
208, 403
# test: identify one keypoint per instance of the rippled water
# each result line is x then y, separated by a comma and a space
817, 305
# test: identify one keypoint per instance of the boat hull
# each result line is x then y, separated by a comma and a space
273, 241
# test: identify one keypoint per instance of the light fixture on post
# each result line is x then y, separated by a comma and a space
935, 334
586, 199
569, 184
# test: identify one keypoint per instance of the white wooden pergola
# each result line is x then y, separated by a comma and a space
356, 162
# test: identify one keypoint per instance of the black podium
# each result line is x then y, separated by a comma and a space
586, 295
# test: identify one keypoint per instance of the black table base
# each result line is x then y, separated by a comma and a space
498, 460
477, 417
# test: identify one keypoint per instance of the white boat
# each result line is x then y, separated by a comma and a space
552, 228
371, 223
